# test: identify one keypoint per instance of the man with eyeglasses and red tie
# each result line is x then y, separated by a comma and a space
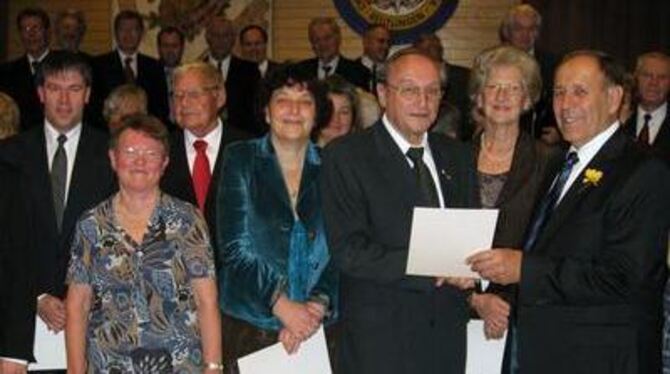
196, 149
393, 323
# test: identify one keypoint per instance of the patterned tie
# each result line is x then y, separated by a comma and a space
643, 136
201, 173
58, 179
549, 201
424, 181
128, 72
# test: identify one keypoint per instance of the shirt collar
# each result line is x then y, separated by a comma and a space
402, 143
657, 114
212, 138
31, 59
587, 151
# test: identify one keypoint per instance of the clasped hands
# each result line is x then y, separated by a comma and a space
300, 321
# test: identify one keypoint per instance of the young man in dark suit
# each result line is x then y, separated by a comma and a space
325, 38
376, 46
65, 171
391, 322
591, 274
197, 148
254, 48
650, 123
126, 64
241, 77
17, 77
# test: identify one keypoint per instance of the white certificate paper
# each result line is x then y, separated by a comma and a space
49, 348
483, 356
441, 240
311, 358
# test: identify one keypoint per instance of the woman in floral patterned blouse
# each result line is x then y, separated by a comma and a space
142, 291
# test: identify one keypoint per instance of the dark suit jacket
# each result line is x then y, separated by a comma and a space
390, 321
241, 95
456, 94
532, 163
108, 74
176, 180
591, 290
661, 145
354, 73
542, 113
17, 309
16, 79
92, 181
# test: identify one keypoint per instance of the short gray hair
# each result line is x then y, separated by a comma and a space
506, 55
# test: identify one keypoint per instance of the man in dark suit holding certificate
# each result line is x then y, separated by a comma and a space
392, 322
592, 270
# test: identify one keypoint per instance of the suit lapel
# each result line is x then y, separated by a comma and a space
38, 167
80, 180
521, 169
393, 164
181, 174
603, 161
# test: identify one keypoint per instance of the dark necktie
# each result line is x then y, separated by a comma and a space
35, 65
643, 136
201, 173
219, 65
128, 72
549, 201
58, 179
326, 70
427, 193
541, 217
373, 79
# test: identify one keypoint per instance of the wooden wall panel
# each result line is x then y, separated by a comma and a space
473, 26
97, 39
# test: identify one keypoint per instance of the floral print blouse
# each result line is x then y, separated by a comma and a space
143, 313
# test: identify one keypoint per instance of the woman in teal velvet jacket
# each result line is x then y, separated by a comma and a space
276, 282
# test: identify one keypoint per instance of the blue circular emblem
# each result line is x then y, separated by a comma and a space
407, 19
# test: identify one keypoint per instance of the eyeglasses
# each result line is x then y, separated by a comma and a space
409, 92
133, 154
511, 89
192, 94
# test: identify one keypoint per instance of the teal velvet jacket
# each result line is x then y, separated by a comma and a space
262, 248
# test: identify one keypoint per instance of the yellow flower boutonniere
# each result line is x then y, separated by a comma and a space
592, 177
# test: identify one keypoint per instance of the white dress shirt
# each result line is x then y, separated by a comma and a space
133, 62
321, 74
213, 140
225, 65
585, 154
404, 146
657, 118
70, 146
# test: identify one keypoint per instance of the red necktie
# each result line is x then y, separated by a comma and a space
201, 173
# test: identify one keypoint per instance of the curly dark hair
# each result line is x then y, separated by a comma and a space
289, 75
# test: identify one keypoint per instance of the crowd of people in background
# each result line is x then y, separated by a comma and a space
175, 216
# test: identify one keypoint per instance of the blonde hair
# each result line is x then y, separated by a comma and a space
505, 55
9, 116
